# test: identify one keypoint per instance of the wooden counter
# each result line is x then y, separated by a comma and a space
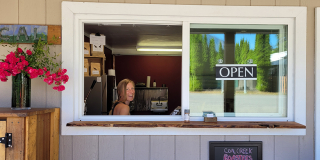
35, 133
192, 124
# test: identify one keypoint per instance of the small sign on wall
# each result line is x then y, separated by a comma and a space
234, 150
236, 72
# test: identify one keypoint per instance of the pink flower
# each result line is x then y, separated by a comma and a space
40, 72
19, 50
59, 88
22, 58
29, 52
25, 63
45, 69
4, 79
48, 73
4, 65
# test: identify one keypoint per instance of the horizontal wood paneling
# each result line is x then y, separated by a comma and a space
32, 12
9, 11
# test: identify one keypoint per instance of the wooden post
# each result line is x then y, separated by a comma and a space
16, 127
54, 134
3, 130
31, 137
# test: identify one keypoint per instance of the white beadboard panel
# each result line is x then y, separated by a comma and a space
65, 149
162, 147
53, 12
237, 138
136, 147
263, 2
54, 96
286, 147
267, 146
9, 10
38, 93
187, 147
5, 97
32, 12
85, 147
204, 145
111, 147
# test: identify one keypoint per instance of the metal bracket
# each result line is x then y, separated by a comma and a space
7, 140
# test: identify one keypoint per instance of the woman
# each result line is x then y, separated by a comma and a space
126, 93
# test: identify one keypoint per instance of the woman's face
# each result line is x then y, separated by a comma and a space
130, 92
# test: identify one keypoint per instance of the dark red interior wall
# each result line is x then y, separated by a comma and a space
163, 69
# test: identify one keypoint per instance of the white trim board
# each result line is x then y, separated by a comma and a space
317, 84
75, 14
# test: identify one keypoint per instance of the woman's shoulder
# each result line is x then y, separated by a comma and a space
123, 108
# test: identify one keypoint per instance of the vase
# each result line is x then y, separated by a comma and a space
21, 92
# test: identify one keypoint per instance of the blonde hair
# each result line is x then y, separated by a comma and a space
121, 89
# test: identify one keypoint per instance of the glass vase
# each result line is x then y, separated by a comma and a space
21, 92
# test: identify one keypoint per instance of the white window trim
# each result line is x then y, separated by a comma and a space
74, 14
317, 83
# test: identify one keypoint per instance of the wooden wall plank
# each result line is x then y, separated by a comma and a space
16, 127
54, 34
267, 146
136, 148
204, 144
187, 147
238, 2
46, 136
138, 1
66, 148
163, 2
286, 147
263, 2
31, 137
213, 2
10, 8
85, 147
53, 12
111, 147
3, 131
40, 136
192, 2
32, 12
54, 134
160, 145
287, 2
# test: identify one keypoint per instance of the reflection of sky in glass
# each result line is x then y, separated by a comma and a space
30, 29
251, 38
6, 32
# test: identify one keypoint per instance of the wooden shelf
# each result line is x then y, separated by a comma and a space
192, 124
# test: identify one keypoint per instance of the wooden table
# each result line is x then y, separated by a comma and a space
35, 133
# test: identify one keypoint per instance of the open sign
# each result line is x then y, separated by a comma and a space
236, 72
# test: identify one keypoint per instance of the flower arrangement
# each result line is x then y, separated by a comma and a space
36, 63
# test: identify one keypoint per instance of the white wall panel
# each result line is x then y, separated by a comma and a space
267, 146
187, 147
236, 138
162, 147
111, 147
286, 147
204, 145
65, 149
137, 147
85, 147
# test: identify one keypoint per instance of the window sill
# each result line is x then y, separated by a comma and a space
192, 124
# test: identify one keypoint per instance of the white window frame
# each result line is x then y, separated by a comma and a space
317, 83
75, 14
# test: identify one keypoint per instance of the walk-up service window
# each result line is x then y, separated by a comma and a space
261, 56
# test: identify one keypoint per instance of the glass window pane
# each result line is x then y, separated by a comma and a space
263, 45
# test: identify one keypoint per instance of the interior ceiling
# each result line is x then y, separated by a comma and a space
123, 39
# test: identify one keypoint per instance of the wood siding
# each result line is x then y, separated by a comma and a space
155, 147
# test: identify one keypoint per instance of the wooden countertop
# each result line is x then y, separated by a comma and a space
8, 112
193, 124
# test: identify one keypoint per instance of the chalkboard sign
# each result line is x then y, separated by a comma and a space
235, 150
